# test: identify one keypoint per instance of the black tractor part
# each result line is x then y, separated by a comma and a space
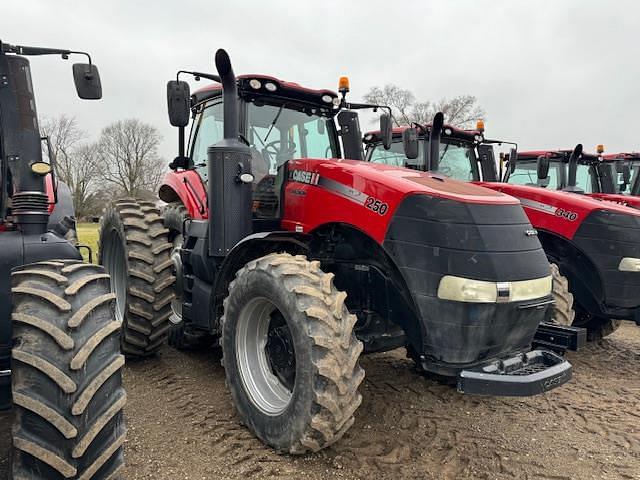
298, 393
181, 336
135, 250
66, 373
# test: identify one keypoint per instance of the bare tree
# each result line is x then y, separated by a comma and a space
461, 111
76, 159
129, 156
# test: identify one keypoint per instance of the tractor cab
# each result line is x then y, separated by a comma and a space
552, 169
463, 154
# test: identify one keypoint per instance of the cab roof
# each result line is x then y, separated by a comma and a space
283, 88
559, 153
621, 156
374, 136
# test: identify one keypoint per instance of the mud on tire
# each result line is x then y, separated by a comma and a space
318, 407
135, 250
562, 311
66, 373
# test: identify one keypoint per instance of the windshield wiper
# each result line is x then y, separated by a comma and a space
273, 123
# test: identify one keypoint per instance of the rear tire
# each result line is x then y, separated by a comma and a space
66, 373
135, 249
290, 355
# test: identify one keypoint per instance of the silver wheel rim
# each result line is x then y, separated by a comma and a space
176, 303
115, 263
264, 388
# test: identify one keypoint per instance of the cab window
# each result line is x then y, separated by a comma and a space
586, 178
458, 161
526, 173
209, 129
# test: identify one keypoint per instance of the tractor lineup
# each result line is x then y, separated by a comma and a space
294, 245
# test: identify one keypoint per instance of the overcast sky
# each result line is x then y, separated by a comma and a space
548, 73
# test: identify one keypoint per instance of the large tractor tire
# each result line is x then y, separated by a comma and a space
289, 353
566, 313
135, 250
562, 311
66, 374
180, 337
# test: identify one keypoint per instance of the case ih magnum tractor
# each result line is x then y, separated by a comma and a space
59, 347
297, 261
593, 246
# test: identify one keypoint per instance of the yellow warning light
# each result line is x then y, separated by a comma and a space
343, 84
600, 148
480, 125
41, 168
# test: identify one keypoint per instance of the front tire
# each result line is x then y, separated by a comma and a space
134, 248
290, 354
66, 373
565, 312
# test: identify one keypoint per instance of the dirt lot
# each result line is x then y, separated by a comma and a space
182, 425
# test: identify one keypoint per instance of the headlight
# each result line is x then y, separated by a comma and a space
477, 291
629, 264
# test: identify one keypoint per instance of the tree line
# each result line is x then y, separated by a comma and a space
124, 161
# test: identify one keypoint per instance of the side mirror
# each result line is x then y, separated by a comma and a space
543, 167
178, 102
410, 143
87, 80
386, 130
513, 159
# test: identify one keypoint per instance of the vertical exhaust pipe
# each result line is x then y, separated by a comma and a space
229, 161
573, 170
22, 147
434, 142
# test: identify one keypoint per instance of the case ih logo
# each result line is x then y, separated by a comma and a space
303, 176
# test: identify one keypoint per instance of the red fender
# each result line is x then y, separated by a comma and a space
187, 187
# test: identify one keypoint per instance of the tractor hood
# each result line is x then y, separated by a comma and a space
544, 207
367, 194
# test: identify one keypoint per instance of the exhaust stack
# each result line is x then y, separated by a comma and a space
573, 169
228, 161
434, 141
21, 138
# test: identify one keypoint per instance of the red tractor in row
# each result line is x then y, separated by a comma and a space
593, 246
296, 261
612, 177
60, 361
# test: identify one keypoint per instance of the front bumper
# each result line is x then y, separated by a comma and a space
522, 375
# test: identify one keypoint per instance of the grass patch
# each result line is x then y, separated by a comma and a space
88, 235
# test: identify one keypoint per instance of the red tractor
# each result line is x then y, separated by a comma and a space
591, 245
297, 261
60, 359
605, 177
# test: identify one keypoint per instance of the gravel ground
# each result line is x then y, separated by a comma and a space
182, 425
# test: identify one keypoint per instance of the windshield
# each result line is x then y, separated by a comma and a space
526, 173
275, 134
457, 159
278, 133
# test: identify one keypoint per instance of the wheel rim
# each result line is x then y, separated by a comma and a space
176, 303
265, 356
115, 262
